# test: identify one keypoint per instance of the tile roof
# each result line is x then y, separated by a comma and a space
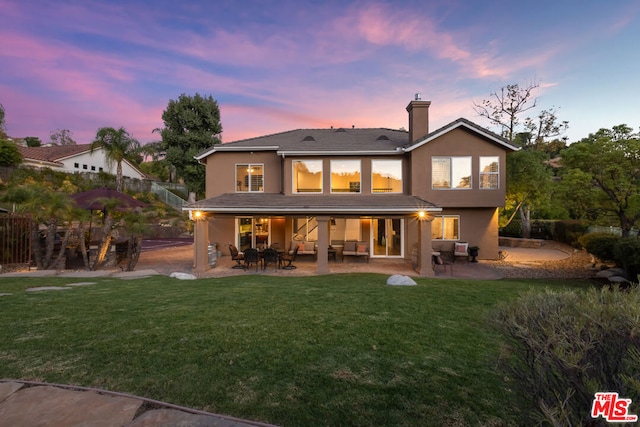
53, 153
277, 203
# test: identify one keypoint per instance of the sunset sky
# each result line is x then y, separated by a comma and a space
280, 65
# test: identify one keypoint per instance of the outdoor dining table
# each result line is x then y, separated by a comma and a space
279, 251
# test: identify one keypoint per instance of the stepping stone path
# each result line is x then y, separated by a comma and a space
59, 288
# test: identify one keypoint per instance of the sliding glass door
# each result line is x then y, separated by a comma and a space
387, 239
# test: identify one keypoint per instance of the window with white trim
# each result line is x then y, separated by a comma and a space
307, 176
489, 172
445, 227
449, 173
386, 176
345, 176
250, 178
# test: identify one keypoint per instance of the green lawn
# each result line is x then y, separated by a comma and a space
296, 351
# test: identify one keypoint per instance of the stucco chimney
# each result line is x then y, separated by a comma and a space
418, 118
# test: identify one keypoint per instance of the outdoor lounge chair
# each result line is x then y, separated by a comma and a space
236, 256
251, 255
461, 249
290, 259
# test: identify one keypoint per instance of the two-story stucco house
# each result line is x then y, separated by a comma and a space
401, 193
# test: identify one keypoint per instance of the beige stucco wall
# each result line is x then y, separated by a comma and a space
478, 227
221, 171
458, 142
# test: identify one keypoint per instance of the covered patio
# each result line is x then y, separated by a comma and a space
396, 228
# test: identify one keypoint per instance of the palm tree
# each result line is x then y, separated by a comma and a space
50, 210
118, 145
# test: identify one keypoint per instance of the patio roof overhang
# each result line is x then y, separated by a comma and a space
311, 205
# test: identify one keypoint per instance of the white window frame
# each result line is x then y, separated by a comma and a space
294, 190
249, 166
452, 172
335, 164
443, 228
373, 169
494, 159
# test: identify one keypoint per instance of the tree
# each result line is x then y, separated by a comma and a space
192, 124
117, 145
505, 106
602, 173
50, 210
503, 109
9, 153
3, 126
528, 182
33, 141
61, 137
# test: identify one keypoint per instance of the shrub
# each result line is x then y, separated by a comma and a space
601, 245
542, 229
627, 254
569, 232
513, 229
563, 347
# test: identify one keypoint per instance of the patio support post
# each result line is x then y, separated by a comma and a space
201, 245
425, 248
323, 245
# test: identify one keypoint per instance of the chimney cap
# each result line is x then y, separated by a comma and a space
418, 97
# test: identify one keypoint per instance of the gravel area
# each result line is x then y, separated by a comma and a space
577, 265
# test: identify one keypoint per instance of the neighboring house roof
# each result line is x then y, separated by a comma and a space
468, 125
53, 154
320, 142
256, 203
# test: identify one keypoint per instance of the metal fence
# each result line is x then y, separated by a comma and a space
168, 197
15, 239
611, 230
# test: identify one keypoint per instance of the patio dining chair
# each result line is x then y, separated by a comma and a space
442, 260
269, 256
236, 256
290, 259
251, 256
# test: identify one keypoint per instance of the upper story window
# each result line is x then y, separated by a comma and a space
345, 176
307, 176
249, 178
386, 176
451, 173
489, 173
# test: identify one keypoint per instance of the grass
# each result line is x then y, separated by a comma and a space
325, 350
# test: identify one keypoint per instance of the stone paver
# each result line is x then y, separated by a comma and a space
47, 406
48, 288
174, 418
8, 388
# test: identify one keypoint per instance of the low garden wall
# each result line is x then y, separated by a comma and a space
515, 242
